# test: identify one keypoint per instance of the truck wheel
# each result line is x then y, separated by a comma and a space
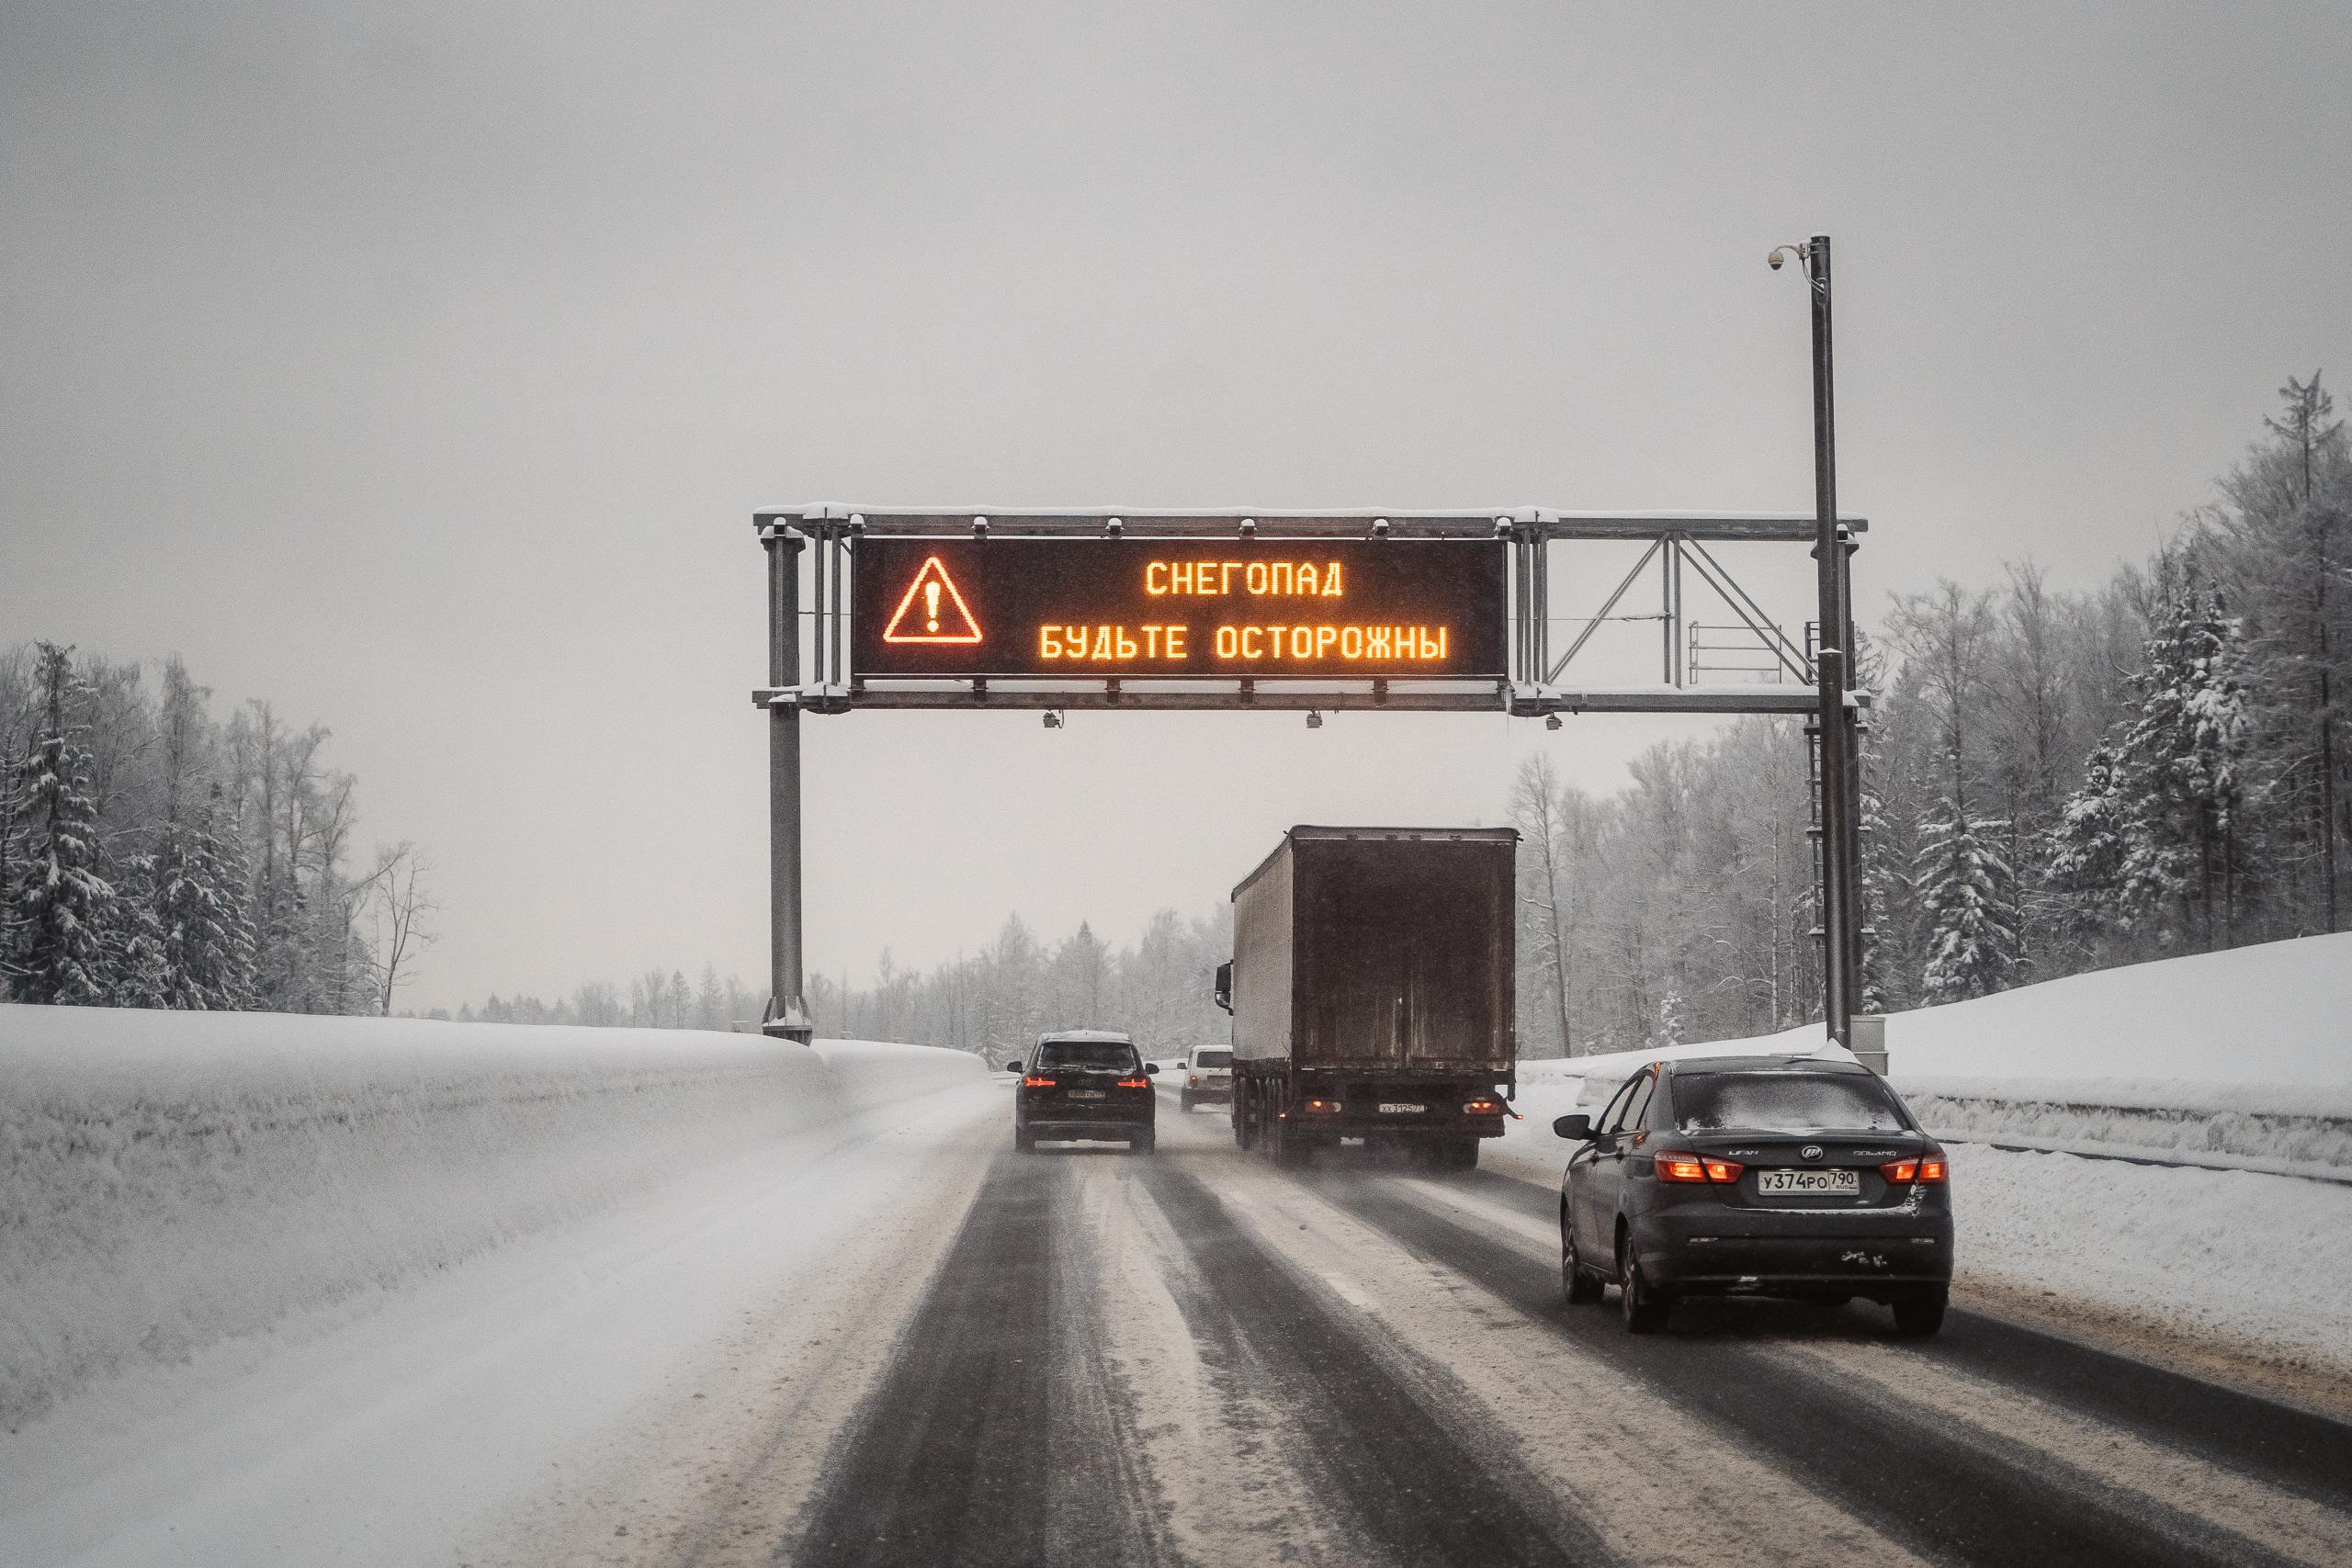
1461, 1153
1282, 1141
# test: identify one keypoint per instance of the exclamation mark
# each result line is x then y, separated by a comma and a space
931, 597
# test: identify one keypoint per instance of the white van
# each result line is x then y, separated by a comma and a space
1208, 1076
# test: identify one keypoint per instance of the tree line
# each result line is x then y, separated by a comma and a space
152, 855
990, 1002
2052, 783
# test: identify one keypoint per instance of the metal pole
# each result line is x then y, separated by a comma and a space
1839, 802
787, 1015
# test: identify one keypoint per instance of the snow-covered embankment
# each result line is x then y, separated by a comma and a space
169, 1182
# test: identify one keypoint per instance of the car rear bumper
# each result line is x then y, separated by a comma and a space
1895, 1252
1092, 1124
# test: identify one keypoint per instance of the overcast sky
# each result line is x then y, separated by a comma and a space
418, 367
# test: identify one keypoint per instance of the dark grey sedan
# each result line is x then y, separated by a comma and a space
1756, 1176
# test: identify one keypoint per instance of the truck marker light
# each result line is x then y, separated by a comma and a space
1482, 1107
1323, 1106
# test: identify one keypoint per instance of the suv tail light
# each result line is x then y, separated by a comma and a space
1928, 1171
1681, 1165
1035, 1082
1135, 1083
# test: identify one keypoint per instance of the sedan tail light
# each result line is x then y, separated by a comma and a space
1681, 1165
1929, 1170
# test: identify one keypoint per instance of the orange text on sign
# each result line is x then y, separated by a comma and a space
1278, 579
1380, 645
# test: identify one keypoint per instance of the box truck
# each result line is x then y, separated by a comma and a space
1370, 989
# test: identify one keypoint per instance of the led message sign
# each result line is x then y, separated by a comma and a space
1178, 608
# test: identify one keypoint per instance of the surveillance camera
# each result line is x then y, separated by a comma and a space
1773, 261
1053, 719
1551, 721
1314, 720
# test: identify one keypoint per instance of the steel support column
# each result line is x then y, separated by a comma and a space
787, 1015
1840, 794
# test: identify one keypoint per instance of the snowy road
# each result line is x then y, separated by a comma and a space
1083, 1358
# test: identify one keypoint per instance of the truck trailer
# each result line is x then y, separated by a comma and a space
1370, 989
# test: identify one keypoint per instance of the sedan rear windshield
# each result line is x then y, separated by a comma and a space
1784, 1102
1114, 1054
1213, 1059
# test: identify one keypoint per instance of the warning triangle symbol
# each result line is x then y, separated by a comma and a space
932, 610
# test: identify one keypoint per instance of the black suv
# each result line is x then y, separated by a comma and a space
1084, 1083
1760, 1176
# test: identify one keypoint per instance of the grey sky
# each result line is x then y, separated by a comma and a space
418, 367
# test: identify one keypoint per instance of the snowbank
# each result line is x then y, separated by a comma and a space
171, 1180
2279, 1013
2244, 1055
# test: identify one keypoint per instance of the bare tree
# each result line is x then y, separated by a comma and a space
400, 896
1535, 812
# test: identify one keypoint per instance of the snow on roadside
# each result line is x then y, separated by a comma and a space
2260, 1264
172, 1180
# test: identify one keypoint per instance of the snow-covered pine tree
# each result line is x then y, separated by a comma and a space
2088, 848
2180, 776
1968, 900
56, 948
202, 904
132, 938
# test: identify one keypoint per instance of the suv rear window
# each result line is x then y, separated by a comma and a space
1784, 1102
1117, 1055
1212, 1058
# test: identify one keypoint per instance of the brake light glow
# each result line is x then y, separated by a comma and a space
1928, 1170
1037, 1083
1135, 1083
1482, 1107
1322, 1108
1680, 1165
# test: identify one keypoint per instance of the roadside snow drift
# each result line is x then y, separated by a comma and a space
172, 1179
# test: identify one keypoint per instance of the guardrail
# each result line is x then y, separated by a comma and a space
2279, 1130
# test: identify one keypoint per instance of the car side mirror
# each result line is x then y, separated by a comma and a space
1224, 992
1579, 1127
1151, 1070
1012, 1066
